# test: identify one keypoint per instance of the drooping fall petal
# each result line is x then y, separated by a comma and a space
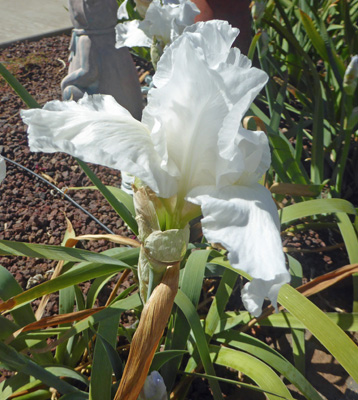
97, 129
244, 220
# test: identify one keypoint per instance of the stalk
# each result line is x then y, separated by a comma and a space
145, 341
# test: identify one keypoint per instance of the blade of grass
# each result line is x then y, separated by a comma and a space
258, 371
191, 285
351, 242
9, 288
271, 357
101, 375
219, 303
325, 330
79, 273
117, 205
347, 322
193, 319
19, 89
20, 363
51, 252
315, 207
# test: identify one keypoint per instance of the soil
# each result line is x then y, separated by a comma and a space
31, 211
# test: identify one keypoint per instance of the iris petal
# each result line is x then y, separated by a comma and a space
186, 134
245, 221
98, 130
167, 21
129, 34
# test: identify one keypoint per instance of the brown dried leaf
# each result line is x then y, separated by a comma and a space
112, 238
145, 341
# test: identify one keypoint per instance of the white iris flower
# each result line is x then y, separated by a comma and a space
165, 20
190, 149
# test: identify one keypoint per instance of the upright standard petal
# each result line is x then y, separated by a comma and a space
245, 221
129, 34
98, 130
185, 116
212, 41
167, 21
239, 81
2, 169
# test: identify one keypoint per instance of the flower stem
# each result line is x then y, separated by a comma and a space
154, 280
145, 341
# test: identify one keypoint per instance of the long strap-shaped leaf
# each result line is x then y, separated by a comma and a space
101, 376
79, 273
94, 318
27, 384
50, 252
20, 363
258, 371
8, 288
192, 317
271, 357
326, 331
318, 323
19, 89
315, 207
117, 205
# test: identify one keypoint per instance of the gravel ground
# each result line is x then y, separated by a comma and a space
30, 210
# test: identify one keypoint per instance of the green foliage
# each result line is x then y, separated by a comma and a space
19, 89
305, 48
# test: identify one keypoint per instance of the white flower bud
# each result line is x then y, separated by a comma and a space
154, 388
350, 80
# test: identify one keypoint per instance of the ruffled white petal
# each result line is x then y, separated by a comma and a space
254, 292
167, 21
185, 130
185, 17
245, 221
2, 169
98, 130
129, 34
188, 138
249, 160
212, 41
238, 81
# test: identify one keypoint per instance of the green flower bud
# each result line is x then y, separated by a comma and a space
159, 248
166, 247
